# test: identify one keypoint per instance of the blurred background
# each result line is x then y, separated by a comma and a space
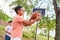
46, 26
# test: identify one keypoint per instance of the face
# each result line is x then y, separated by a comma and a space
20, 12
10, 23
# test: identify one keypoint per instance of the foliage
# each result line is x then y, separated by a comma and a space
25, 4
3, 16
58, 1
46, 21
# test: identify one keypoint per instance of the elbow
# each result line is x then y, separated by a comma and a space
29, 24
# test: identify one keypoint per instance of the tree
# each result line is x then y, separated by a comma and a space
48, 23
3, 16
57, 12
28, 6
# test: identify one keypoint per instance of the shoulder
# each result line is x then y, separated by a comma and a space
8, 26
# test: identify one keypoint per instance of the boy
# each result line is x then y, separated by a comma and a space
8, 31
19, 22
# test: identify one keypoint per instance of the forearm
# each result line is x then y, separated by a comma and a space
31, 22
28, 23
7, 32
25, 25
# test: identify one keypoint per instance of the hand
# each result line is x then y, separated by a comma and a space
38, 17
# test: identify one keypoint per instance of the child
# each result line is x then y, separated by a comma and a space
8, 31
19, 22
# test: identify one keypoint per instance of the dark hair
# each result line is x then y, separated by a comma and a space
16, 8
9, 21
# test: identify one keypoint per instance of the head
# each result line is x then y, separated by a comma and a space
10, 23
19, 10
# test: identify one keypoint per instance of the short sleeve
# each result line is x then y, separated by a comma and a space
8, 29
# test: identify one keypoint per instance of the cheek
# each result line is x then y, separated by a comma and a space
21, 12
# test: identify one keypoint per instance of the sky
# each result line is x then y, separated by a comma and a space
5, 7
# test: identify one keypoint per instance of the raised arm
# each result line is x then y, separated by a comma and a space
28, 23
31, 21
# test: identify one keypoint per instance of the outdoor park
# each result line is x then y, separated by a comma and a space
47, 28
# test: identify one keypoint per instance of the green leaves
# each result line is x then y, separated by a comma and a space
59, 1
3, 16
47, 22
24, 3
13, 3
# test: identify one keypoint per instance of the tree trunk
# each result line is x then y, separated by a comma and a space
57, 37
48, 35
57, 11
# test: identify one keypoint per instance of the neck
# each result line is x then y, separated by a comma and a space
20, 15
10, 25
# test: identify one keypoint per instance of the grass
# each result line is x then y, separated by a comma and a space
2, 32
39, 37
45, 38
